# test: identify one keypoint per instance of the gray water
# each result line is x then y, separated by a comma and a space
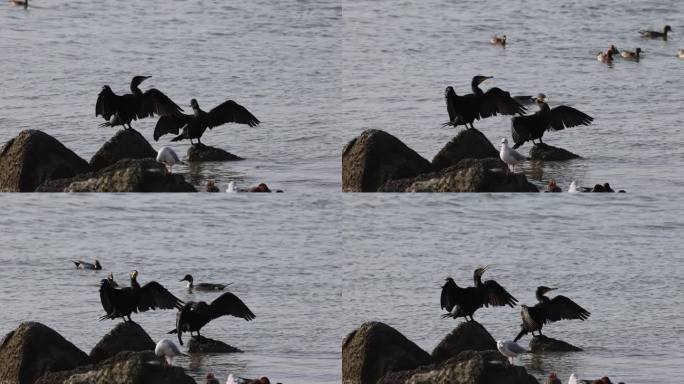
312, 263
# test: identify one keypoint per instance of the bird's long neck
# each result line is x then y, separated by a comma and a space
541, 298
134, 283
197, 111
475, 87
543, 107
477, 279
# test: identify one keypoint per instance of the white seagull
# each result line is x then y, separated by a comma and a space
231, 188
573, 379
168, 349
509, 155
168, 156
510, 349
573, 187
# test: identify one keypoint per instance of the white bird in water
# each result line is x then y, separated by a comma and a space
509, 155
168, 349
231, 188
510, 349
168, 156
573, 379
573, 187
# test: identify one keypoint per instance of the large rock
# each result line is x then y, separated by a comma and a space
467, 336
374, 349
125, 144
468, 144
124, 368
375, 157
542, 343
206, 345
469, 175
201, 152
127, 175
546, 152
126, 336
33, 349
469, 367
33, 157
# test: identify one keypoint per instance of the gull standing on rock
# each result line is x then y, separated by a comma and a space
510, 349
509, 155
168, 156
167, 349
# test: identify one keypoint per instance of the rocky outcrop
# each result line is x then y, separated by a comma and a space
375, 157
201, 152
467, 336
468, 144
205, 345
123, 368
469, 175
469, 367
374, 349
127, 175
542, 343
33, 349
126, 336
125, 144
33, 157
546, 152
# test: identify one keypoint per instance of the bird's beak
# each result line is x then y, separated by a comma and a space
181, 280
485, 268
552, 289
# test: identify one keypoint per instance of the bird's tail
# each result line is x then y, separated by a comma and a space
520, 335
75, 263
178, 138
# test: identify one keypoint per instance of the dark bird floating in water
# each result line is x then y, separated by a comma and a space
463, 302
656, 34
121, 302
83, 265
122, 109
463, 110
195, 315
202, 286
547, 311
532, 127
193, 126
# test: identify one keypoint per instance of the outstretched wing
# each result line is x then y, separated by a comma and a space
562, 308
566, 117
497, 295
231, 112
154, 102
450, 98
107, 103
497, 101
450, 293
229, 304
521, 126
170, 124
106, 292
153, 295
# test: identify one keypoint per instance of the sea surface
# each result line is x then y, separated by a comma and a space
313, 263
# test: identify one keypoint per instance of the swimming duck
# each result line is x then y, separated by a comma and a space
656, 34
680, 54
20, 2
83, 265
496, 40
553, 187
203, 286
607, 57
211, 186
631, 55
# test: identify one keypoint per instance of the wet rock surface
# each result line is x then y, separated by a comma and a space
374, 157
467, 336
33, 157
540, 344
125, 144
201, 152
468, 144
546, 152
206, 345
125, 336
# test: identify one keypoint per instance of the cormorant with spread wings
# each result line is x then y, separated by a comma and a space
121, 302
463, 110
463, 302
547, 311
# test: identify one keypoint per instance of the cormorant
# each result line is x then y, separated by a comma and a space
463, 302
656, 34
122, 109
510, 156
195, 315
463, 110
203, 286
168, 156
532, 127
629, 55
167, 349
548, 310
496, 40
121, 302
83, 265
194, 125
110, 278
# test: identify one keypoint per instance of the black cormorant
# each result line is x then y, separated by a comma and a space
548, 310
202, 286
463, 302
463, 110
656, 34
193, 126
532, 127
110, 278
121, 302
122, 109
83, 265
195, 315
